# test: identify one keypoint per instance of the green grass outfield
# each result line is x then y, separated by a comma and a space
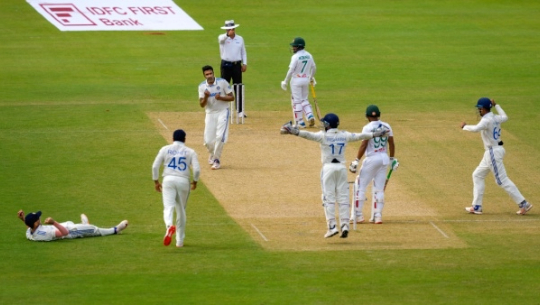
75, 137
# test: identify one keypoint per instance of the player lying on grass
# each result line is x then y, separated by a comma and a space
53, 230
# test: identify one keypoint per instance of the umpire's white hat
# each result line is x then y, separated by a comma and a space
229, 24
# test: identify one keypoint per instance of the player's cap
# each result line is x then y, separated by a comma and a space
31, 218
484, 102
373, 111
179, 135
229, 24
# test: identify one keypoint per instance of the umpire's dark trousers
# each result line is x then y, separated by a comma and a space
233, 70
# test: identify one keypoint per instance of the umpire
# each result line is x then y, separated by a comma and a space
233, 60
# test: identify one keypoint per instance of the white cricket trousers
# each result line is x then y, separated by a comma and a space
299, 96
373, 169
85, 230
335, 190
493, 161
175, 196
216, 132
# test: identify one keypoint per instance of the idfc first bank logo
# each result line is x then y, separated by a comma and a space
67, 14
115, 15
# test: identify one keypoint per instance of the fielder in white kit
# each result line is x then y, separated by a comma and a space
52, 230
335, 188
215, 95
301, 72
490, 129
374, 167
176, 158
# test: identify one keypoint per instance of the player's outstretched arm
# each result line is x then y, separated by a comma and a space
20, 215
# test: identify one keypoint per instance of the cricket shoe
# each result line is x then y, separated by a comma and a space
359, 219
179, 244
301, 124
211, 160
121, 227
476, 209
524, 207
311, 122
168, 236
331, 232
84, 219
216, 165
378, 220
344, 230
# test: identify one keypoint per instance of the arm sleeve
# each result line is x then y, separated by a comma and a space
501, 116
201, 91
222, 38
195, 166
156, 165
244, 54
291, 69
476, 128
353, 137
312, 136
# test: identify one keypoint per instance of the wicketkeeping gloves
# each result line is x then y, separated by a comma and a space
284, 85
353, 166
380, 132
289, 128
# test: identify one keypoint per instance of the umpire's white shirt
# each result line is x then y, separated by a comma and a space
220, 86
176, 159
232, 49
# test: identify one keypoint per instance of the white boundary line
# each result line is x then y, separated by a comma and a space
161, 122
440, 231
264, 237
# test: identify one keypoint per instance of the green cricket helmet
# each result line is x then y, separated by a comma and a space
298, 42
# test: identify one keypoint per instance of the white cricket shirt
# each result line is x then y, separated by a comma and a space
220, 86
176, 159
333, 142
302, 66
490, 126
377, 145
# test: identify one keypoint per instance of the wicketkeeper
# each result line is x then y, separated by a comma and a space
335, 188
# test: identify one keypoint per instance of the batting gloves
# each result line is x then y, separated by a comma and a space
284, 85
353, 166
313, 81
394, 163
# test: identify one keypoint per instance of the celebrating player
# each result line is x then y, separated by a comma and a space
53, 230
373, 167
301, 72
215, 95
335, 188
490, 128
176, 158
